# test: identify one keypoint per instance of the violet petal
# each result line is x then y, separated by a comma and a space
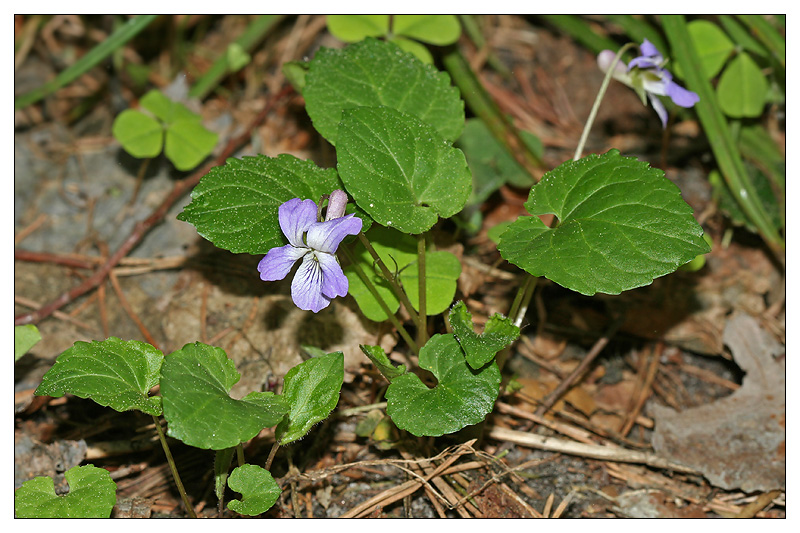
682, 97
295, 217
279, 261
307, 286
326, 236
334, 282
658, 105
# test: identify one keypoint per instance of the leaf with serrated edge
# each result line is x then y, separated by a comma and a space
462, 397
498, 333
258, 488
382, 362
92, 494
621, 224
399, 170
312, 391
114, 373
235, 206
376, 73
195, 382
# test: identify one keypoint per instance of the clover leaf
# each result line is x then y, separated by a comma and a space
311, 389
92, 494
25, 337
258, 488
498, 333
195, 382
621, 224
462, 396
114, 373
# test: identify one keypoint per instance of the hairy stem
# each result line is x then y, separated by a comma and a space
374, 292
174, 469
398, 290
422, 322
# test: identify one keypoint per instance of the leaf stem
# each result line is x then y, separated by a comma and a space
240, 454
599, 98
175, 475
422, 323
398, 290
374, 292
271, 457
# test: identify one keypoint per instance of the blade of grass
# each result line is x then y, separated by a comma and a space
484, 107
97, 54
768, 36
582, 32
255, 33
638, 30
718, 132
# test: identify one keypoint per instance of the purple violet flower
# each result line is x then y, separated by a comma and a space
319, 279
648, 77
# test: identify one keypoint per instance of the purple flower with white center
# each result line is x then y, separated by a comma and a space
319, 279
648, 77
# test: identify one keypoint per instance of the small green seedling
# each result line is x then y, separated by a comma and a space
92, 494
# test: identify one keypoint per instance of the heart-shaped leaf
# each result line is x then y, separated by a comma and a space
92, 494
713, 47
354, 28
311, 390
462, 397
498, 333
195, 382
114, 373
235, 206
166, 110
25, 337
376, 73
621, 224
442, 270
399, 170
188, 143
258, 488
140, 135
440, 30
743, 88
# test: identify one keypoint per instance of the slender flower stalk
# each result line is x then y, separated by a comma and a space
648, 77
319, 278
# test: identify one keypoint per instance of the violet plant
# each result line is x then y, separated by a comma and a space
393, 121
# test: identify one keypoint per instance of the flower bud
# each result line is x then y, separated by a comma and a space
336, 204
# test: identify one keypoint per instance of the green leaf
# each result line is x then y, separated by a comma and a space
92, 494
498, 333
440, 30
195, 382
165, 109
354, 28
188, 143
399, 252
140, 135
462, 396
742, 89
237, 57
712, 45
312, 391
258, 488
399, 170
382, 362
420, 51
114, 373
25, 337
295, 72
742, 36
621, 224
235, 206
490, 163
441, 272
375, 73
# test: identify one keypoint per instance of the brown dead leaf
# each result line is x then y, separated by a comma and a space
738, 442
